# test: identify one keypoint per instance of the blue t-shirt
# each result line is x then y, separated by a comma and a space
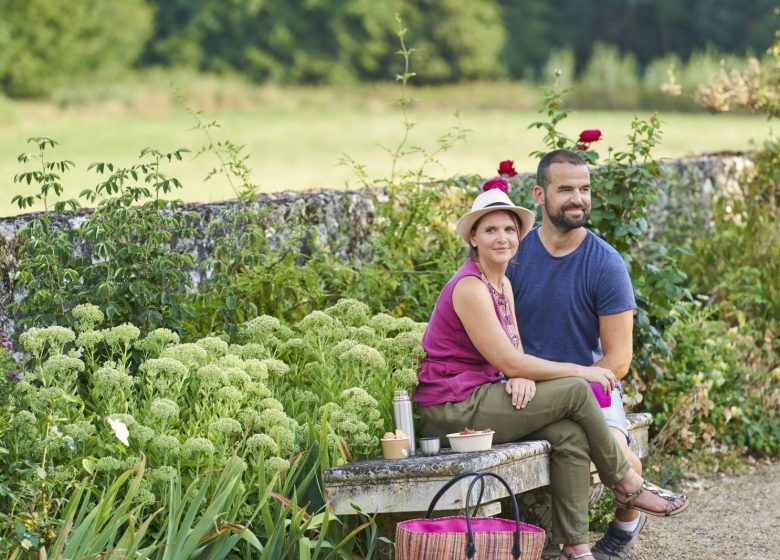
558, 300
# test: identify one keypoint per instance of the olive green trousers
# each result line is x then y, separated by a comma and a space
563, 412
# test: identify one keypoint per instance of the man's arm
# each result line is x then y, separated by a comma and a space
617, 342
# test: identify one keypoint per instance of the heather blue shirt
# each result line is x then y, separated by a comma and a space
558, 300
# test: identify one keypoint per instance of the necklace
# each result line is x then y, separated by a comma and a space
504, 309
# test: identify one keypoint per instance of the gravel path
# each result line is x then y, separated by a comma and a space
729, 517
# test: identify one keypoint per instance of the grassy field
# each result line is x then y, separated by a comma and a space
295, 142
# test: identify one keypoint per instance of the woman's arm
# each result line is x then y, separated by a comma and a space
474, 307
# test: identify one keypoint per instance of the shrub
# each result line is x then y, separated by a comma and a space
46, 44
120, 258
735, 258
610, 78
719, 391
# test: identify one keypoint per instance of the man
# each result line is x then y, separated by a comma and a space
574, 303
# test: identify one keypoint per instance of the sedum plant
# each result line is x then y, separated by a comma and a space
270, 396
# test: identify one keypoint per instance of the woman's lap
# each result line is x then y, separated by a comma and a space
490, 406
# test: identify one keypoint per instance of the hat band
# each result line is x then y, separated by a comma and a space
496, 204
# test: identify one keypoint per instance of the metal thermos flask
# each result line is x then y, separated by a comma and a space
404, 420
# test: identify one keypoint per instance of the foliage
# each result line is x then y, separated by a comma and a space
275, 41
269, 398
734, 252
279, 41
625, 185
9, 375
610, 77
121, 256
261, 265
721, 389
45, 44
735, 257
108, 526
251, 270
415, 247
45, 47
754, 86
459, 40
329, 41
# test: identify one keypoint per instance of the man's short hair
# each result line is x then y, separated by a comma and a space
556, 156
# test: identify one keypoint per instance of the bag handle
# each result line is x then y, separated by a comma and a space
471, 549
448, 485
470, 546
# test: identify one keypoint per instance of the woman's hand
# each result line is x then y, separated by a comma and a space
521, 390
600, 375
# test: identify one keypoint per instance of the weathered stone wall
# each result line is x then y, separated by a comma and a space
343, 220
685, 193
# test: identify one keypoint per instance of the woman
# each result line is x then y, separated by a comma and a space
472, 343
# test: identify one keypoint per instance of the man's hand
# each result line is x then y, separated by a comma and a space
600, 375
521, 390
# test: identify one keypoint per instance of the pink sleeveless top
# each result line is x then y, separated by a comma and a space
453, 368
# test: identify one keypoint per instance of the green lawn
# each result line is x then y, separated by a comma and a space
299, 148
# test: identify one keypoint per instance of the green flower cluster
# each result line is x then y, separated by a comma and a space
37, 340
96, 401
350, 312
111, 383
120, 337
87, 317
157, 341
357, 420
191, 355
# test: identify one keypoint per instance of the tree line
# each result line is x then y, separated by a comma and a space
45, 44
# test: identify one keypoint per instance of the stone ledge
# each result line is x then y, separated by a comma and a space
408, 485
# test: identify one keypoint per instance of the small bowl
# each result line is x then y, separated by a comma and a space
395, 448
465, 443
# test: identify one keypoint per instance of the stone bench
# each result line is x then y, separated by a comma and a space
403, 489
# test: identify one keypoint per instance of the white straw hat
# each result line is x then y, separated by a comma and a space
490, 201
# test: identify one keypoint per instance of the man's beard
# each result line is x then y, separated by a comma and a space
561, 221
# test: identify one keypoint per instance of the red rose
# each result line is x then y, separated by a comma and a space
588, 136
497, 183
507, 168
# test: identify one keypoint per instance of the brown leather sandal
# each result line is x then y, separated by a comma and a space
670, 497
